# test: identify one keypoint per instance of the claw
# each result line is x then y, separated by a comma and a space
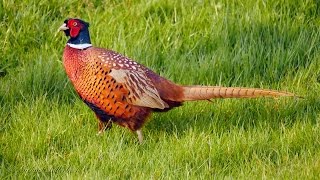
99, 133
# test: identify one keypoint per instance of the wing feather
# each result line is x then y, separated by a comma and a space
142, 91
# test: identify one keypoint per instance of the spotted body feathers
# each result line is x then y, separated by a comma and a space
121, 91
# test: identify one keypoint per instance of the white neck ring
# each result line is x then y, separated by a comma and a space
79, 46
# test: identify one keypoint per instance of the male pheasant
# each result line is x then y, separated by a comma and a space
122, 91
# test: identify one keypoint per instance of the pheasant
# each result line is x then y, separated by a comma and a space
121, 91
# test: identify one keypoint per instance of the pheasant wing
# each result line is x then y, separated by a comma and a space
142, 92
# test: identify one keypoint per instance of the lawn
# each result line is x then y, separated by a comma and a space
46, 131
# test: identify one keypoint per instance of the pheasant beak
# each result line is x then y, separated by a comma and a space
63, 27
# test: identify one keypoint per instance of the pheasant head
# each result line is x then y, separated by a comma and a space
78, 32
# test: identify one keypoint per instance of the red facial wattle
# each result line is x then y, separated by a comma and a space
74, 31
75, 27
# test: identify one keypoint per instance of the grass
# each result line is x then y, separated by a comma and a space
47, 132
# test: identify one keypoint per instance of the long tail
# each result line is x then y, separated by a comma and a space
192, 93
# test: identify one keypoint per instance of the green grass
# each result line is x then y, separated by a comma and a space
46, 131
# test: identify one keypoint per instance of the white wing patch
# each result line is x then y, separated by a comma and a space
142, 91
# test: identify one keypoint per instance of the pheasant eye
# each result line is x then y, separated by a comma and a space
75, 24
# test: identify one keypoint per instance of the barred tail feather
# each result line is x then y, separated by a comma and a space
192, 93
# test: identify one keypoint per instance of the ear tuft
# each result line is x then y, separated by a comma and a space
86, 24
66, 21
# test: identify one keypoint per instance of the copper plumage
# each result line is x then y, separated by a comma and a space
122, 91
